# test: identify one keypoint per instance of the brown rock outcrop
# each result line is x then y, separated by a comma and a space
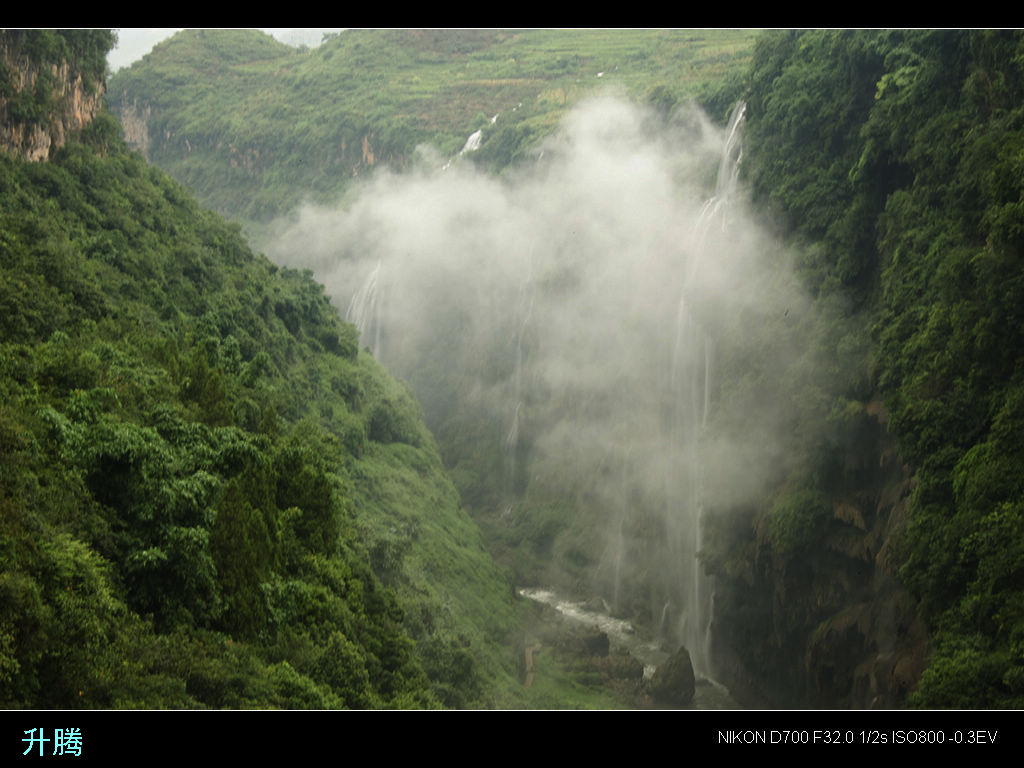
72, 104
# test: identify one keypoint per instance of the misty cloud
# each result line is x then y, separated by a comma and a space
589, 303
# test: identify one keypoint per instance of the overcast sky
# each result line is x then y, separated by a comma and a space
136, 42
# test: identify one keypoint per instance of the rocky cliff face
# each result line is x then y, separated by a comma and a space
826, 624
135, 122
41, 103
167, 149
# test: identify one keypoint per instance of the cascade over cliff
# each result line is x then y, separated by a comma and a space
51, 83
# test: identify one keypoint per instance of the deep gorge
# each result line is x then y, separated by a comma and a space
753, 385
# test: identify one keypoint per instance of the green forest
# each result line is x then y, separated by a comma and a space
210, 495
214, 495
894, 158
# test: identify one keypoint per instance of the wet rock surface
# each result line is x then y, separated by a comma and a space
673, 683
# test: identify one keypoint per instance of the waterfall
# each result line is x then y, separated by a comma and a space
364, 311
689, 389
511, 447
473, 142
571, 313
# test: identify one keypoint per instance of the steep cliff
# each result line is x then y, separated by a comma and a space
51, 83
894, 158
809, 607
225, 143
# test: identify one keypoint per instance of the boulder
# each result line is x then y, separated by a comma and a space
673, 683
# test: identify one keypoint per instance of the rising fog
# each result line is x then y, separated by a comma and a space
606, 325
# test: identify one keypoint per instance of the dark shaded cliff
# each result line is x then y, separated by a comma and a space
810, 610
892, 159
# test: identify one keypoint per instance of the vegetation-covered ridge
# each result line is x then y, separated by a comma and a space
895, 158
209, 496
270, 126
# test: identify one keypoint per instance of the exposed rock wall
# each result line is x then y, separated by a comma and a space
67, 103
135, 122
137, 118
827, 624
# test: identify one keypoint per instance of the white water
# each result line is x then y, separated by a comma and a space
364, 311
619, 631
473, 142
524, 312
680, 601
690, 387
475, 139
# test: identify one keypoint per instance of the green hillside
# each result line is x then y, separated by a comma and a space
894, 160
255, 127
209, 497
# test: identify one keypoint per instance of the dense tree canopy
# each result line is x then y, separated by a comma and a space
898, 154
192, 449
